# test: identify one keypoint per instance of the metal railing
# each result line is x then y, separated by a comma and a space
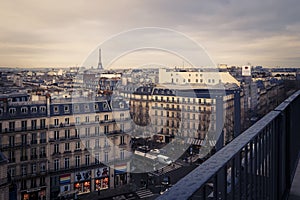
258, 164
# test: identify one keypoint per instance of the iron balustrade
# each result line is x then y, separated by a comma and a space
258, 164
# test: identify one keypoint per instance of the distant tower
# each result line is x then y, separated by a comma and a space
100, 62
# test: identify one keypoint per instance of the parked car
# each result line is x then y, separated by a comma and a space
164, 159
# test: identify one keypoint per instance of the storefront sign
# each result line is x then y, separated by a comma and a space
82, 176
101, 172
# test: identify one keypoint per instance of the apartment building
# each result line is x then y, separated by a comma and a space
58, 147
197, 115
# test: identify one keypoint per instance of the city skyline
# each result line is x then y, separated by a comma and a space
62, 34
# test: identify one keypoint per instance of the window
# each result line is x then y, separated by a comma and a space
24, 110
56, 110
43, 152
12, 111
97, 158
11, 126
122, 127
77, 133
105, 156
97, 130
43, 109
76, 108
11, 156
106, 129
24, 125
66, 109
87, 132
33, 168
56, 122
77, 145
106, 142
122, 155
97, 118
105, 117
87, 119
56, 148
12, 171
67, 121
43, 137
87, 159
87, 144
96, 106
33, 124
24, 139
77, 161
56, 164
67, 163
33, 138
23, 170
105, 106
56, 135
23, 184
42, 123
33, 183
97, 143
11, 141
42, 180
43, 167
67, 146
33, 109
67, 133
122, 139
77, 120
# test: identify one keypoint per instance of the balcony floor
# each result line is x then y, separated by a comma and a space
295, 189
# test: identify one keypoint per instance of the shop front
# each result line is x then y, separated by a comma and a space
82, 182
34, 194
65, 185
120, 174
101, 178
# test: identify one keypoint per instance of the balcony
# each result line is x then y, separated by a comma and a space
260, 163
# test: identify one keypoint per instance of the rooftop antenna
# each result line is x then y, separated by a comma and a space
100, 62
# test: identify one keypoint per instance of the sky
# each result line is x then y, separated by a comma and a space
66, 33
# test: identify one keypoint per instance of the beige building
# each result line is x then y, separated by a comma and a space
57, 147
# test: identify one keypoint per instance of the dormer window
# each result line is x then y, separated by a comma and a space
12, 111
34, 109
24, 110
56, 109
43, 109
66, 109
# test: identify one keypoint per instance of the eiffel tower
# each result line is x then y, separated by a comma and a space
100, 62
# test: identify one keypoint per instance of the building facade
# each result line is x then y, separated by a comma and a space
58, 147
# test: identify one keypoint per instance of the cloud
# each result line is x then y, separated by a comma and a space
54, 32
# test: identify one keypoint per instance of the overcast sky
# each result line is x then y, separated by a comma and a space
36, 33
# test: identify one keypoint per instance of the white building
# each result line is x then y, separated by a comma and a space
194, 77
